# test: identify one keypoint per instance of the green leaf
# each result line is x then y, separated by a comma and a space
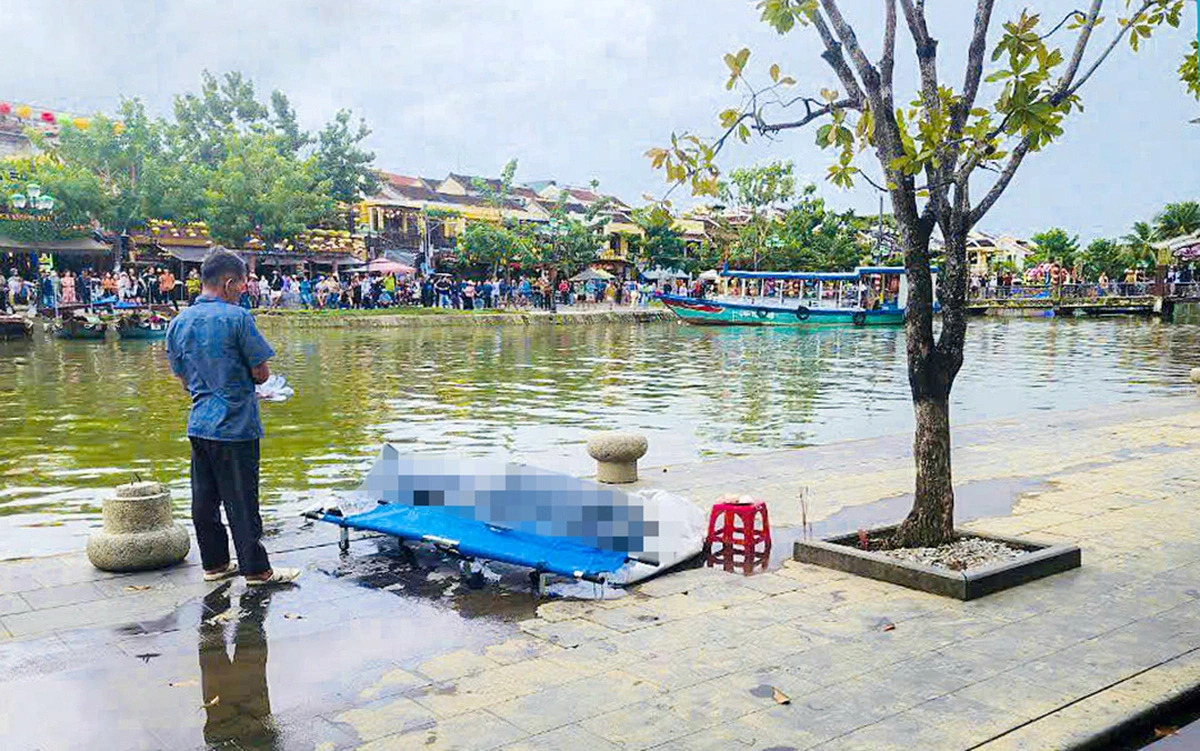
775, 72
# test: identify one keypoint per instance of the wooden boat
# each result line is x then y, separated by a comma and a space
142, 324
15, 327
81, 325
867, 296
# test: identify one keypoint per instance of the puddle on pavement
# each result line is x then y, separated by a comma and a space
260, 668
972, 500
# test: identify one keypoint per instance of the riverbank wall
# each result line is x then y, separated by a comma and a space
421, 318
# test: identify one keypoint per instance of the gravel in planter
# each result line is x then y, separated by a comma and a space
963, 553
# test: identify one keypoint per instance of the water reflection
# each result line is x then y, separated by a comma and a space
78, 417
237, 701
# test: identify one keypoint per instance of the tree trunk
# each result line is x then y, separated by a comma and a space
932, 367
931, 520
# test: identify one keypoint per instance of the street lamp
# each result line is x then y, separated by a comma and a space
32, 199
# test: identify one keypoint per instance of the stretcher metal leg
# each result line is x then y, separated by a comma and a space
344, 539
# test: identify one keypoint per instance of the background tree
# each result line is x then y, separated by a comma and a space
1055, 246
811, 237
1107, 257
1177, 220
1139, 244
258, 192
930, 144
758, 191
343, 163
662, 245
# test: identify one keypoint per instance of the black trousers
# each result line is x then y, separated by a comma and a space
225, 473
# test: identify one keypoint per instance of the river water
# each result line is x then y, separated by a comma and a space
79, 417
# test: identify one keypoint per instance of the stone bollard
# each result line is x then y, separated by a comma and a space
1195, 376
139, 532
616, 455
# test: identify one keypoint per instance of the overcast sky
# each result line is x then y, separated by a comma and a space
579, 90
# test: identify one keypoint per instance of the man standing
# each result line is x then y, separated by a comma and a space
216, 350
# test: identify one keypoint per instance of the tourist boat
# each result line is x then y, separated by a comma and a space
867, 296
81, 324
15, 327
142, 324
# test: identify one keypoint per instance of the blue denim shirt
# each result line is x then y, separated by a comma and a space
212, 346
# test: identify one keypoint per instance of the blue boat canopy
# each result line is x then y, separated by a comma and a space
819, 276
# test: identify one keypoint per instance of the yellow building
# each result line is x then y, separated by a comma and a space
986, 253
426, 216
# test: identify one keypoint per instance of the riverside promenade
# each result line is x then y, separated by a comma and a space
364, 654
434, 317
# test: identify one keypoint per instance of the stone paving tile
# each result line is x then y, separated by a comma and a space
66, 594
476, 732
574, 701
455, 665
568, 738
13, 604
494, 686
638, 726
386, 717
568, 633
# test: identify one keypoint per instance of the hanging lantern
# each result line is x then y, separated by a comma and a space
45, 202
82, 123
33, 190
24, 112
48, 117
5, 108
17, 200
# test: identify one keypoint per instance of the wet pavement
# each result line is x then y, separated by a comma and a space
385, 650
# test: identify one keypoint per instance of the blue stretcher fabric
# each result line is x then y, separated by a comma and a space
476, 539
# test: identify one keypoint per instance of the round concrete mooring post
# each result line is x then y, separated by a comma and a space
139, 531
616, 454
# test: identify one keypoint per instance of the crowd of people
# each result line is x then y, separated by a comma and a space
1129, 282
366, 291
150, 285
52, 289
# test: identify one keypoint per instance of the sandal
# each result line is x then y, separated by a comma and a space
278, 576
231, 569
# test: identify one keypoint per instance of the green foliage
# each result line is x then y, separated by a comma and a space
1189, 72
342, 163
35, 230
256, 190
1177, 220
1055, 246
486, 244
1029, 111
245, 166
662, 246
1139, 243
758, 188
570, 242
1105, 256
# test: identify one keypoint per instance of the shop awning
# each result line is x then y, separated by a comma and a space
188, 253
75, 246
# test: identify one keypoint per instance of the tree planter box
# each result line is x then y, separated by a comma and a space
842, 553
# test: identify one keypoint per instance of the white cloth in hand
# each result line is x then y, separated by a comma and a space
274, 389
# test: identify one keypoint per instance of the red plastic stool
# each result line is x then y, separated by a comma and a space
734, 525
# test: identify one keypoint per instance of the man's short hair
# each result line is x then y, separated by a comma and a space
221, 265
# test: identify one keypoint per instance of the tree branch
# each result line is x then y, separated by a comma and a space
810, 114
833, 55
1080, 47
1107, 50
975, 55
888, 61
1010, 169
866, 71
